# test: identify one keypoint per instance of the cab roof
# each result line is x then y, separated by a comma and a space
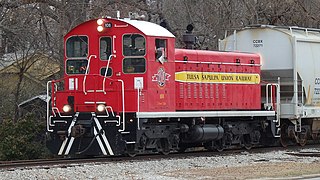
148, 28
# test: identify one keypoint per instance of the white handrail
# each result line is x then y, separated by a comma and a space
271, 100
114, 44
85, 75
138, 106
48, 109
267, 96
105, 73
123, 107
278, 103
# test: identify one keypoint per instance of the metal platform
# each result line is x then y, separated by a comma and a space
204, 114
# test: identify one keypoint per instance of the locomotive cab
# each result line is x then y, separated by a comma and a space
113, 68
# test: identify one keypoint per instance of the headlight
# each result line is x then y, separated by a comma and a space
66, 108
99, 22
101, 107
100, 28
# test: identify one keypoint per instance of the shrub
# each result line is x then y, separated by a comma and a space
24, 139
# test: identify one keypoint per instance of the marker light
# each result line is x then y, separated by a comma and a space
100, 28
99, 22
66, 108
101, 107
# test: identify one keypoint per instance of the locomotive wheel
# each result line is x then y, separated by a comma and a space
284, 139
219, 145
248, 146
165, 152
219, 148
247, 142
132, 154
164, 146
130, 151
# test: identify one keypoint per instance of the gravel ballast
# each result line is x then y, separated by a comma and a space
243, 165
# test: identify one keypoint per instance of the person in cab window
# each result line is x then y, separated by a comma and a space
130, 69
70, 69
83, 69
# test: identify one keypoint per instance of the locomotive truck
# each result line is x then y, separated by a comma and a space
126, 89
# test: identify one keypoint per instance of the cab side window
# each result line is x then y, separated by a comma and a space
134, 51
77, 46
76, 52
134, 45
134, 65
76, 66
161, 50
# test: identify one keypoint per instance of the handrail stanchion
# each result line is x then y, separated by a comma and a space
123, 106
85, 75
105, 73
48, 108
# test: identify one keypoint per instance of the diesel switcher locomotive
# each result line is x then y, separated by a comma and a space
126, 89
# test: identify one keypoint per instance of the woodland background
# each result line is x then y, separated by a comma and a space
33, 30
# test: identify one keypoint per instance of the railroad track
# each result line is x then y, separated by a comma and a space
37, 162
305, 154
66, 162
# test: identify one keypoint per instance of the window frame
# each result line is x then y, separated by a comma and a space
130, 57
145, 45
66, 66
105, 67
165, 49
111, 50
77, 57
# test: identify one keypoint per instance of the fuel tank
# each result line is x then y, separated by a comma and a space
204, 133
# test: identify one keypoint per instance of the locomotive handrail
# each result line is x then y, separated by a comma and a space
105, 73
138, 109
85, 75
123, 107
218, 63
138, 106
49, 100
48, 108
271, 103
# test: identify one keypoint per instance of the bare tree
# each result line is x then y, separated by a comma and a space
28, 27
24, 43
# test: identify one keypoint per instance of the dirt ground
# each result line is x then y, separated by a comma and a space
263, 170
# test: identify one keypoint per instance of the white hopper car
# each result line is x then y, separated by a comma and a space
291, 59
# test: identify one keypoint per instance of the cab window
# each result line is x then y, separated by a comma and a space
105, 48
134, 65
76, 66
161, 50
77, 46
134, 45
103, 71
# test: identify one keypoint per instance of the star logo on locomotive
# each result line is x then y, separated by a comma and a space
161, 77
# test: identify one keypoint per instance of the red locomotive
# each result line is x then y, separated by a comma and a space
127, 90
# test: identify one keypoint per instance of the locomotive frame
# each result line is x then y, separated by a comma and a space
127, 90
